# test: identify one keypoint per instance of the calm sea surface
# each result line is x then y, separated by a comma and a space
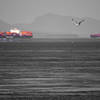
50, 69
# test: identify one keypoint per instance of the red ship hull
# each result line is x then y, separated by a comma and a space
95, 35
22, 34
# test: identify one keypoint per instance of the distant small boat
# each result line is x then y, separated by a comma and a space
95, 35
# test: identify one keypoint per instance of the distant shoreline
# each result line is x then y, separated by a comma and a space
52, 40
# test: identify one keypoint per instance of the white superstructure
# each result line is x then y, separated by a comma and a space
15, 30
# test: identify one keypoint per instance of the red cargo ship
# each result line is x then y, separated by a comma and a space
14, 33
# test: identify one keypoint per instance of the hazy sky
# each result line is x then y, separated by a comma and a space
25, 11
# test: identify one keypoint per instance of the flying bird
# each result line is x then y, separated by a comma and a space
77, 23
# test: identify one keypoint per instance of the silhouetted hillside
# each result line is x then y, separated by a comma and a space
53, 23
